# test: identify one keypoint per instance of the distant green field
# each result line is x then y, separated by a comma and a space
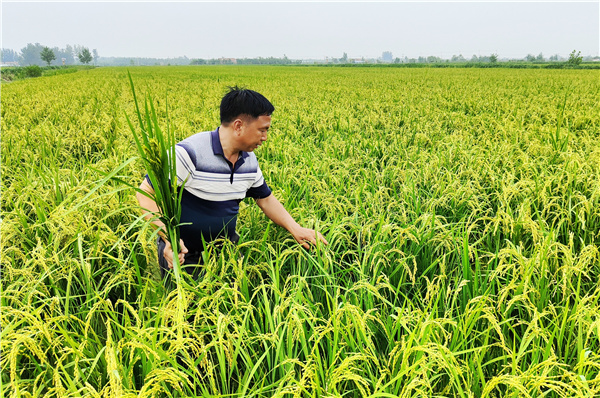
462, 207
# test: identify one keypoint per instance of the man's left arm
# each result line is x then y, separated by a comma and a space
279, 215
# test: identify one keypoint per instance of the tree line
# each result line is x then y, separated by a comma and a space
575, 58
38, 54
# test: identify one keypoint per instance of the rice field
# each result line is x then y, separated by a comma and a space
462, 208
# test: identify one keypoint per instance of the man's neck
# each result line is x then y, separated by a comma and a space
226, 136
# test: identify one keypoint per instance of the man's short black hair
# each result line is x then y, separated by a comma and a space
240, 101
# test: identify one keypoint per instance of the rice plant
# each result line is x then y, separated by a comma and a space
157, 151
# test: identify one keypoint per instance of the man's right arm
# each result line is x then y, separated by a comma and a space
150, 208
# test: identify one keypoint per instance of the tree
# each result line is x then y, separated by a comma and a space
540, 57
69, 55
530, 58
95, 52
344, 58
9, 55
47, 55
494, 58
575, 59
30, 55
85, 56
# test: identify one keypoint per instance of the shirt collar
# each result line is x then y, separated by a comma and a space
218, 148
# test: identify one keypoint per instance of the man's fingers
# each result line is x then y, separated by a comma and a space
182, 248
168, 253
322, 238
308, 242
308, 237
182, 245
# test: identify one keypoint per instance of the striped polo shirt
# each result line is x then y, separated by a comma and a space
213, 188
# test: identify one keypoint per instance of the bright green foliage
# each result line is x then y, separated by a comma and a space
85, 56
157, 151
47, 55
32, 71
462, 209
575, 58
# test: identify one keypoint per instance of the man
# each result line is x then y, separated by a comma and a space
219, 170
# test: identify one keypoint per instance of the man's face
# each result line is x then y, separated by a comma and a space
254, 132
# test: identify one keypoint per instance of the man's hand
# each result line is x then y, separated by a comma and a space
168, 253
306, 236
275, 211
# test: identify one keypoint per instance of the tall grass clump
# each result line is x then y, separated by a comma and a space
157, 151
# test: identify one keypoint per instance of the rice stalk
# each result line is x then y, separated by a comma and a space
157, 151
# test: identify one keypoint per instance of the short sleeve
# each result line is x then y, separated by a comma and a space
259, 189
185, 165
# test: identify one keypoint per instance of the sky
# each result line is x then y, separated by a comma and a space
306, 30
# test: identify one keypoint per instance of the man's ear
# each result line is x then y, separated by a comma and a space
237, 125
